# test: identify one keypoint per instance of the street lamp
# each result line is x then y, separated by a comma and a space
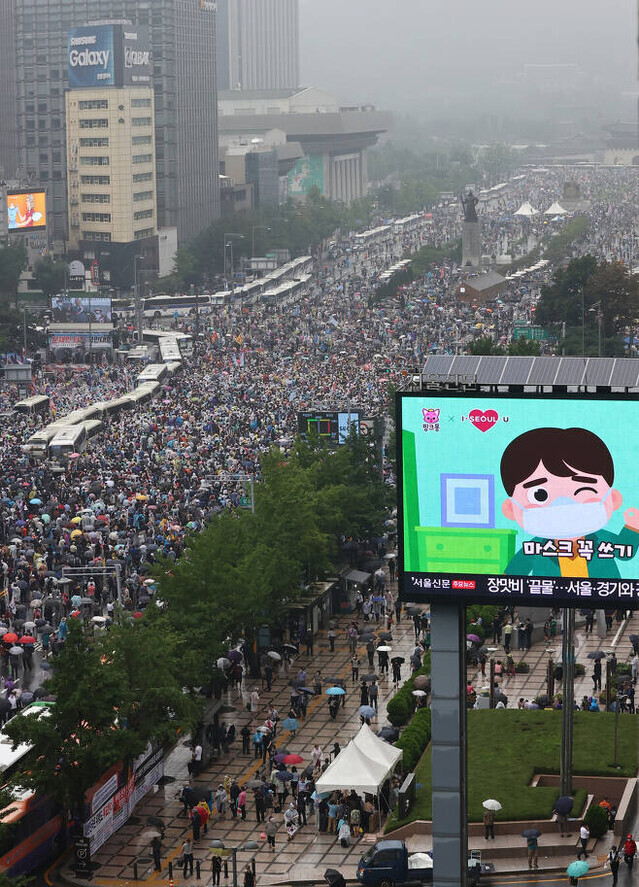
217, 844
255, 228
227, 236
138, 303
597, 305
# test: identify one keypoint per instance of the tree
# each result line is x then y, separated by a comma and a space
13, 261
50, 275
523, 347
484, 345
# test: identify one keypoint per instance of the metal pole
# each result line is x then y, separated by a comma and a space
118, 583
615, 764
24, 327
138, 308
491, 678
568, 704
583, 324
234, 852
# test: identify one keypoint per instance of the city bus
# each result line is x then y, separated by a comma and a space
182, 305
71, 439
184, 340
155, 372
37, 446
111, 408
39, 403
93, 427
143, 393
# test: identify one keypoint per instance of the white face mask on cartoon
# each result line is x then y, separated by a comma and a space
565, 518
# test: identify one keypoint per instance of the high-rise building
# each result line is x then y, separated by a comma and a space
258, 44
33, 74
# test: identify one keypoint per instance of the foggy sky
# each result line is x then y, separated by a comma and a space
405, 53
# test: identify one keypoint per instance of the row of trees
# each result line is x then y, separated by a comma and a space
138, 681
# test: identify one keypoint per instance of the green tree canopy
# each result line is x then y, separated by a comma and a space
13, 261
50, 275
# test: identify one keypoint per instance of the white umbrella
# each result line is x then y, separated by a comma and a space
420, 693
16, 651
98, 620
384, 649
273, 655
491, 804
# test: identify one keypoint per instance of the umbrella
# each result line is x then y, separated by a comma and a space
10, 637
474, 638
290, 648
98, 620
335, 691
272, 654
633, 638
384, 649
389, 734
398, 659
283, 775
491, 804
306, 690
256, 783
419, 693
338, 681
563, 805
385, 636
334, 878
577, 868
530, 833
27, 639
76, 520
16, 651
150, 833
223, 662
293, 759
45, 666
279, 758
290, 724
598, 654
35, 501
370, 677
234, 655
367, 711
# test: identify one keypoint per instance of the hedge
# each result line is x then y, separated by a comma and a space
415, 738
596, 819
400, 708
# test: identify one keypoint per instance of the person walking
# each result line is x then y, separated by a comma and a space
613, 862
271, 830
489, 824
216, 869
354, 668
241, 803
187, 858
245, 733
584, 834
508, 630
532, 848
156, 851
596, 675
332, 634
373, 691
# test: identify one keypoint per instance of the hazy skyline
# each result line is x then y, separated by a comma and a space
429, 53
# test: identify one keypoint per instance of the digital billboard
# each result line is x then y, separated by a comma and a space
80, 309
332, 426
26, 211
109, 55
307, 173
510, 499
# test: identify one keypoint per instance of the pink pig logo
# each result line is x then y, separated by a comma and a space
431, 416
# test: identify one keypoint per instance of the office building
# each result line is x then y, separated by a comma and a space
33, 72
258, 44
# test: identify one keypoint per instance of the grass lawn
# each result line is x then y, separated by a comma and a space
507, 748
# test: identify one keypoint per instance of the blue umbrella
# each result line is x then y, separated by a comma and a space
290, 724
335, 691
367, 711
35, 501
563, 805
283, 775
577, 868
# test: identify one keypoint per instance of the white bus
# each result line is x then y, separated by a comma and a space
38, 444
169, 349
93, 427
155, 372
39, 403
83, 415
115, 406
184, 340
182, 305
173, 366
72, 439
143, 393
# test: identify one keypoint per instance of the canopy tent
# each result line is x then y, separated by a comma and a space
526, 210
363, 766
556, 209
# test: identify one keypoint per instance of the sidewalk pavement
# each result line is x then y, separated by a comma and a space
305, 858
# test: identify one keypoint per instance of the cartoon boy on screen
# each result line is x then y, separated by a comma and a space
560, 491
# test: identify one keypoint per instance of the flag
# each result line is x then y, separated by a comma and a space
239, 339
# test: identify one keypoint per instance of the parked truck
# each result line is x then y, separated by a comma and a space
389, 864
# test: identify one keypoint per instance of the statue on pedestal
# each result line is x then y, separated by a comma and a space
469, 203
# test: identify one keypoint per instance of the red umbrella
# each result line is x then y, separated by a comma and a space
75, 614
138, 615
10, 638
293, 759
26, 639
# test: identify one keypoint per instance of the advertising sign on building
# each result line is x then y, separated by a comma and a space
109, 55
26, 211
307, 173
331, 426
514, 500
79, 341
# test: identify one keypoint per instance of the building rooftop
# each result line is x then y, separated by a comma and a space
484, 281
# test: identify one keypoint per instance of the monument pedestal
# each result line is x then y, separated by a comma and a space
471, 245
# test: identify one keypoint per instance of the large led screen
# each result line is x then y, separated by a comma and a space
519, 499
26, 211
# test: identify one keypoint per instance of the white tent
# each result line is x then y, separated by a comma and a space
364, 765
526, 210
556, 209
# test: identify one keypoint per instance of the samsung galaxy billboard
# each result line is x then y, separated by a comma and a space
109, 55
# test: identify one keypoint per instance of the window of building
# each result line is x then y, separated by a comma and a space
94, 161
140, 121
143, 232
142, 176
95, 180
142, 195
143, 214
95, 123
94, 143
142, 158
94, 105
141, 103
104, 236
96, 198
141, 140
96, 217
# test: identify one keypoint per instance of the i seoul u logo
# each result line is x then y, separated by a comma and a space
484, 420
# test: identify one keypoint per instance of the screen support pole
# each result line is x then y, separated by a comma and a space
568, 701
448, 744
